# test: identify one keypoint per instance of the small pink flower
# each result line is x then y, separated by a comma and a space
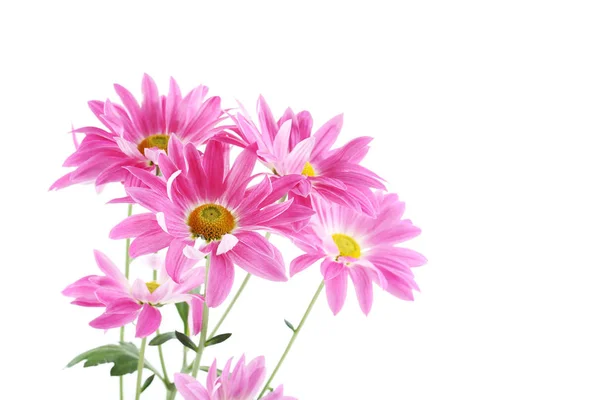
201, 201
132, 130
287, 147
243, 383
125, 303
353, 244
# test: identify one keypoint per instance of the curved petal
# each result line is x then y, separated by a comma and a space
256, 255
336, 290
302, 262
196, 308
228, 242
148, 321
220, 279
107, 321
363, 287
190, 388
176, 262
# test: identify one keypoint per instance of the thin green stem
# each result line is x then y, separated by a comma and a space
162, 359
202, 341
296, 332
138, 385
122, 330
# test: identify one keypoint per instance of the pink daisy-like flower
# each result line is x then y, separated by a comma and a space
243, 383
141, 300
353, 244
288, 147
201, 201
132, 129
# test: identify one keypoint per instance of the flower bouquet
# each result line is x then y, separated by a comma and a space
187, 168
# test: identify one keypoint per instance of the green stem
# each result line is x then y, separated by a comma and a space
162, 360
138, 385
202, 341
122, 330
296, 332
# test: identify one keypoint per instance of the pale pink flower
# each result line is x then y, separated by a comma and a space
199, 201
124, 302
243, 383
131, 130
353, 244
287, 147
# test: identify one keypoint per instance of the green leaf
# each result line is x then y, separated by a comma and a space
123, 356
147, 382
186, 341
162, 338
217, 339
289, 325
184, 310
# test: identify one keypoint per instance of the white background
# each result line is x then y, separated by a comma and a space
484, 116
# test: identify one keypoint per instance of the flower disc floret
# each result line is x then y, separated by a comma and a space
152, 286
308, 170
210, 222
346, 245
159, 141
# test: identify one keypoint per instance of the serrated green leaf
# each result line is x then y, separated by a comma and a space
124, 356
162, 338
217, 339
184, 310
186, 341
147, 383
289, 325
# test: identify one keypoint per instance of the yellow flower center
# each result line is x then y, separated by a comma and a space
155, 141
210, 222
152, 286
308, 170
346, 245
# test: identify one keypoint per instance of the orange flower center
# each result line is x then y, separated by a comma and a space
210, 222
155, 141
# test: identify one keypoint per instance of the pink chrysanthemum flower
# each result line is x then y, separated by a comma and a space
288, 147
131, 129
200, 201
243, 383
353, 244
141, 300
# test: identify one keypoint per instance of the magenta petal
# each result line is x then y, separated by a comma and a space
176, 262
190, 388
330, 269
134, 226
148, 321
302, 262
363, 287
326, 135
123, 306
108, 267
220, 279
107, 321
336, 290
196, 307
256, 255
150, 242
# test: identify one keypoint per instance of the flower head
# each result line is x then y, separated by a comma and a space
363, 248
124, 302
241, 383
202, 206
131, 130
287, 147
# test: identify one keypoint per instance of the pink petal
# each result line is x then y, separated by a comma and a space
176, 262
220, 279
148, 321
108, 267
149, 242
302, 262
108, 321
363, 287
327, 135
256, 255
228, 242
134, 226
123, 306
196, 307
336, 289
330, 269
190, 388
